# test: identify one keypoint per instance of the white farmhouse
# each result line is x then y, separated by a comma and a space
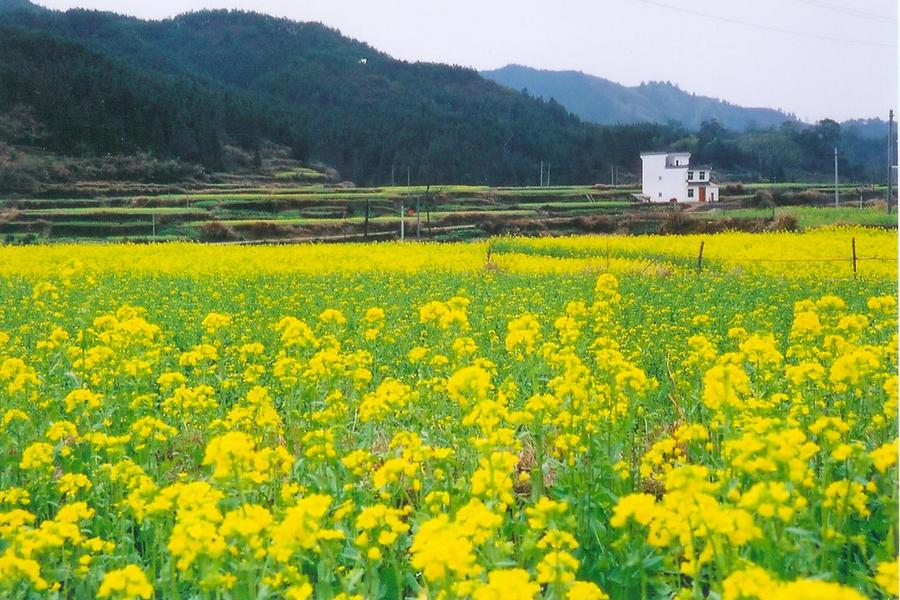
670, 177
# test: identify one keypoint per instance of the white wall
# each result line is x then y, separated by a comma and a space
712, 191
678, 159
661, 184
707, 174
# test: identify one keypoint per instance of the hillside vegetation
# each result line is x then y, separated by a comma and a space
62, 96
600, 100
196, 87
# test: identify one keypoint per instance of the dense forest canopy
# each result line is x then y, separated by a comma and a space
85, 103
101, 83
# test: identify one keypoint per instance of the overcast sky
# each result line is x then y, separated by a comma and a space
824, 64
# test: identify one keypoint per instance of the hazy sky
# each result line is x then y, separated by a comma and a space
813, 70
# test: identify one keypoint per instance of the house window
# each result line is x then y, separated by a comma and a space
690, 175
676, 162
660, 194
702, 175
660, 177
690, 192
712, 196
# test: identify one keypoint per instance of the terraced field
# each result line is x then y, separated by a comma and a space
316, 211
242, 211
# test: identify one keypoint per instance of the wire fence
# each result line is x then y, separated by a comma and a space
852, 258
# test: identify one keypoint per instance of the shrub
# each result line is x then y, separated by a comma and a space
214, 231
762, 199
785, 222
675, 222
732, 189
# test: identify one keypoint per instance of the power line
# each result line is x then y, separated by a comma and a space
766, 27
853, 12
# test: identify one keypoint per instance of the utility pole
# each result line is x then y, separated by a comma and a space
890, 181
418, 219
548, 174
403, 208
835, 178
542, 173
366, 223
392, 175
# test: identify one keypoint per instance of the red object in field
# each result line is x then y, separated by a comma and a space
410, 212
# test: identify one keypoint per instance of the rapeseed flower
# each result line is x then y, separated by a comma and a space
128, 582
441, 550
503, 584
352, 421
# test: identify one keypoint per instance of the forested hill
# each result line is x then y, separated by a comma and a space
97, 83
600, 100
74, 101
360, 110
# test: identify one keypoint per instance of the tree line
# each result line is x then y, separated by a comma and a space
185, 87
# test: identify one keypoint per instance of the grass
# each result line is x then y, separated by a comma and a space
99, 210
300, 173
808, 216
358, 220
242, 204
600, 204
800, 185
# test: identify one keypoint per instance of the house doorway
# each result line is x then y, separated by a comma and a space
702, 193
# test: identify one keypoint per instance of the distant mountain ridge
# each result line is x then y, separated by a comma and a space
606, 102
873, 129
10, 5
215, 87
351, 106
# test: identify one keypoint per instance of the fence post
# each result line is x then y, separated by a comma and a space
366, 223
700, 259
853, 246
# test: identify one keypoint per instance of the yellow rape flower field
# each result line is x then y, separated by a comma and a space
569, 418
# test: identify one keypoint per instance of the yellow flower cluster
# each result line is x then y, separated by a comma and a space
129, 582
579, 419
